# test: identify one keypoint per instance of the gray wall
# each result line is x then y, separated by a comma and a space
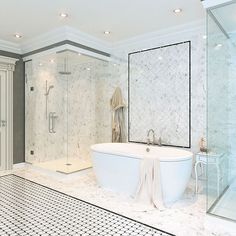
19, 109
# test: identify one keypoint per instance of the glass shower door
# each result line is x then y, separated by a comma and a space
221, 130
67, 110
45, 117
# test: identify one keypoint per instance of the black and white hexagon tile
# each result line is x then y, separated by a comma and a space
27, 208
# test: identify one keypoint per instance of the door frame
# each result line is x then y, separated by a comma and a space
7, 65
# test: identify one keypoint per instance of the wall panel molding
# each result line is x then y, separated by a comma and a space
7, 66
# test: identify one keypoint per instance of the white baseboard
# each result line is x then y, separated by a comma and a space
20, 165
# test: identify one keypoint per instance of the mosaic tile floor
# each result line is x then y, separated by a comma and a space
27, 208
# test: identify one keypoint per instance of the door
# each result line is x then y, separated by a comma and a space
7, 66
3, 118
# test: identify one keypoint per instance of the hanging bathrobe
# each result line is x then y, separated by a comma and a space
118, 117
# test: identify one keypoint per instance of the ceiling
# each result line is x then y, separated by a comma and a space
124, 18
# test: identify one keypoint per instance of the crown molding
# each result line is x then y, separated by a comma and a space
77, 36
67, 33
44, 40
63, 48
8, 60
62, 34
184, 29
10, 47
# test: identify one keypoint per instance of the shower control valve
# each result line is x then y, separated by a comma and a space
3, 123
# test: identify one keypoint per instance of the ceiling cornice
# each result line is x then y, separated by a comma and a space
77, 36
67, 33
10, 47
62, 34
185, 29
43, 40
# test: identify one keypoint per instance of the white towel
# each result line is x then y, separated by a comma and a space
118, 117
149, 188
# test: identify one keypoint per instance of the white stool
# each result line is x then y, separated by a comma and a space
211, 159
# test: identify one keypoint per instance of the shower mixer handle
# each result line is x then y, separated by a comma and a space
3, 123
51, 122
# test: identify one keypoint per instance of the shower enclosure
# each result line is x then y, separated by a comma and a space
221, 194
66, 110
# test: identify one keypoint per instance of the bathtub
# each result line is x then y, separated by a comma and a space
117, 168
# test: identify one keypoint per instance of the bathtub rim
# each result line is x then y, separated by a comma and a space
139, 156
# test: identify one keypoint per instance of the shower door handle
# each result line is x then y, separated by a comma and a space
51, 122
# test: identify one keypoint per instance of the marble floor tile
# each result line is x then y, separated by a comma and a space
187, 217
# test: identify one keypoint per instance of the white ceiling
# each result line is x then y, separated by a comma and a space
124, 18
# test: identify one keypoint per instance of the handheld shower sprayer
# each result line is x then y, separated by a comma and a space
48, 90
46, 95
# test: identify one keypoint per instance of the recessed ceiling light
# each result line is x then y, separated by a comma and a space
114, 64
79, 54
52, 60
177, 10
40, 64
18, 36
64, 15
88, 68
218, 46
160, 58
204, 37
107, 32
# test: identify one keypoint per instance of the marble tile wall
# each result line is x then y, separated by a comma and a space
159, 77
198, 76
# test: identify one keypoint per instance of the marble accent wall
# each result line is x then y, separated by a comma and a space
198, 76
157, 77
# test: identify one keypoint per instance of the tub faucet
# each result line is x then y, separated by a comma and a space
159, 142
148, 137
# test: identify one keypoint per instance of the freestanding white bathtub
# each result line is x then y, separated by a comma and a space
117, 167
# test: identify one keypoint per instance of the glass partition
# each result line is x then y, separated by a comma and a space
67, 109
221, 133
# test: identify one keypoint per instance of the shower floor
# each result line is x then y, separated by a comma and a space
226, 206
59, 165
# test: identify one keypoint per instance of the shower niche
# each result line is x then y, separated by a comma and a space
62, 111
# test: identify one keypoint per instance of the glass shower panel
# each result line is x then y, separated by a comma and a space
44, 126
67, 103
88, 102
80, 112
221, 194
217, 107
